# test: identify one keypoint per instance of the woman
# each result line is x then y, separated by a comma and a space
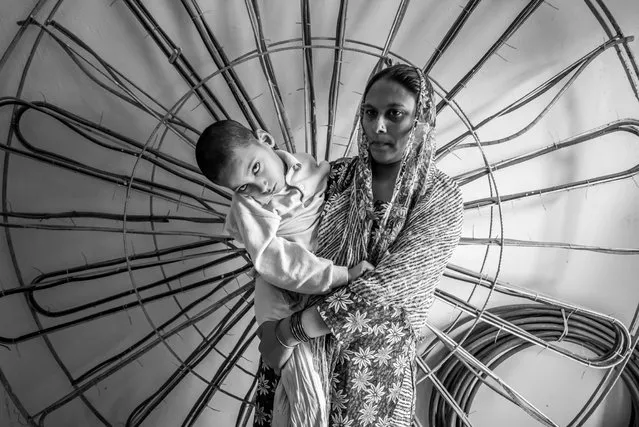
392, 207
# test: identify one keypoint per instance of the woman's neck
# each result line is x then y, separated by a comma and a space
384, 176
385, 172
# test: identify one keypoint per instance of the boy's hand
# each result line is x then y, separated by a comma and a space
359, 269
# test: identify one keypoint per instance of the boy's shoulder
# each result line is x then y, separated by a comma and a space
246, 205
305, 159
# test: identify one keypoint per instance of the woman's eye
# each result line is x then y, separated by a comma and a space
395, 114
370, 113
241, 189
256, 168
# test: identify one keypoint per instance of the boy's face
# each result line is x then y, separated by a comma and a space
255, 170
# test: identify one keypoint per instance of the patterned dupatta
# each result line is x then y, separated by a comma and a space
357, 243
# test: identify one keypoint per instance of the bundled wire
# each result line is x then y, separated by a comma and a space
492, 348
491, 342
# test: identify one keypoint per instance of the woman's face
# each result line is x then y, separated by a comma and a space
387, 118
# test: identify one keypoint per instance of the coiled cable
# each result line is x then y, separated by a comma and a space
492, 348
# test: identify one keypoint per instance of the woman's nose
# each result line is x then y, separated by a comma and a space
380, 126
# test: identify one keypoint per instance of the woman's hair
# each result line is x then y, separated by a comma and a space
215, 146
403, 74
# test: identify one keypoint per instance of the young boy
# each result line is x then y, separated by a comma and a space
277, 201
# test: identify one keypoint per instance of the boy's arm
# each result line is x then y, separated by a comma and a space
285, 264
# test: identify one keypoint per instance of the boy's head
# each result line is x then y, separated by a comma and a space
230, 155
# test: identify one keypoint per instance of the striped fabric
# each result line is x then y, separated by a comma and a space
378, 318
368, 363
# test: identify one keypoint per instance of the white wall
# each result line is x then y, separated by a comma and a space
555, 36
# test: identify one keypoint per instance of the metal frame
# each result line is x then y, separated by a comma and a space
456, 376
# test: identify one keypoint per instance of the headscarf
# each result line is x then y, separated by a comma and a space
358, 242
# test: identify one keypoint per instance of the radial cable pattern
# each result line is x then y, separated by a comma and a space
122, 302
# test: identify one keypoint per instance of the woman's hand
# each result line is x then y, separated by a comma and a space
274, 354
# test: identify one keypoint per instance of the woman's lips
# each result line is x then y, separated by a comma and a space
381, 145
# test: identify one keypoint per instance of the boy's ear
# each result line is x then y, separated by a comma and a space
265, 138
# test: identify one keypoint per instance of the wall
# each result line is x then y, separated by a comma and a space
556, 35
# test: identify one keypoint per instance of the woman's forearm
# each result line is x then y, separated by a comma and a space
312, 322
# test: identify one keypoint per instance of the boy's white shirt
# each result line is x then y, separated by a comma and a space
280, 235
